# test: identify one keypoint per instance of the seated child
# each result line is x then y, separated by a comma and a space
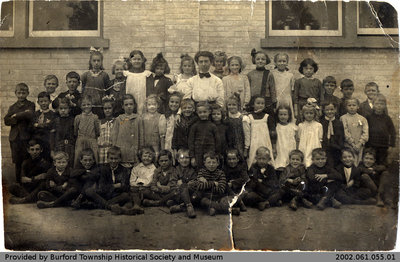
323, 181
293, 180
33, 175
263, 187
59, 188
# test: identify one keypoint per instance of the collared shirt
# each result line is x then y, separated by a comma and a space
347, 173
142, 174
205, 89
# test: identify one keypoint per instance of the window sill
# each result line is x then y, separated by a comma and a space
51, 42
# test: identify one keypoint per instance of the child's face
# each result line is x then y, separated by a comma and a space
114, 160
63, 110
86, 106
379, 106
108, 109
234, 66
51, 85
72, 84
283, 115
232, 106
261, 60
308, 70
295, 161
147, 158
164, 162
187, 110
61, 164
184, 159
44, 103
21, 94
96, 62
232, 159
216, 115
371, 92
203, 113
159, 70
281, 63
348, 91
211, 164
329, 88
347, 159
173, 103
309, 115
262, 159
319, 160
87, 161
330, 110
259, 104
128, 106
219, 63
204, 64
119, 71
136, 61
152, 106
187, 67
368, 160
352, 107
35, 151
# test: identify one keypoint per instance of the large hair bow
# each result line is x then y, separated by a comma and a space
93, 49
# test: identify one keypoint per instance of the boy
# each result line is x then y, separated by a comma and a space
33, 175
329, 84
50, 85
263, 187
73, 81
323, 181
19, 117
59, 189
366, 107
347, 88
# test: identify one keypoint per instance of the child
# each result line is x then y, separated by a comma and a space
73, 81
117, 87
136, 78
86, 129
286, 131
382, 133
187, 70
219, 64
263, 187
347, 88
307, 86
157, 83
33, 175
183, 125
59, 189
203, 135
333, 133
355, 129
236, 82
329, 85
323, 181
62, 138
19, 117
366, 107
293, 180
259, 123
151, 120
310, 133
106, 126
218, 118
168, 121
95, 81
127, 132
282, 81
259, 76
51, 85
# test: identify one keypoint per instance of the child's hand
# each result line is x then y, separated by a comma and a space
350, 184
180, 182
117, 185
202, 179
193, 162
230, 183
41, 176
35, 124
321, 177
290, 181
14, 115
25, 179
64, 186
246, 153
216, 183
52, 184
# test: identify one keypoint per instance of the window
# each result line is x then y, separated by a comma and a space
376, 18
7, 19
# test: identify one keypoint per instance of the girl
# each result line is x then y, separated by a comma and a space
259, 129
310, 133
151, 120
168, 121
87, 130
282, 81
258, 77
136, 78
126, 133
236, 82
218, 118
187, 70
219, 64
117, 87
106, 125
157, 83
95, 81
186, 120
307, 86
286, 131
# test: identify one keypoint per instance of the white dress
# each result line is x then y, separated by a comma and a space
284, 85
286, 142
310, 134
136, 86
259, 136
180, 86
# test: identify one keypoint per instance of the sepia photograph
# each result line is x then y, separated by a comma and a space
199, 125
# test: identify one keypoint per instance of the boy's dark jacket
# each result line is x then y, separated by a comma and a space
268, 177
21, 122
105, 182
237, 175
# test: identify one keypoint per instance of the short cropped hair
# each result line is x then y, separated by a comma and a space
369, 151
329, 79
34, 142
347, 149
22, 87
346, 83
296, 152
262, 149
318, 151
114, 150
211, 155
165, 153
372, 84
86, 152
73, 74
352, 99
60, 155
43, 94
49, 77
183, 151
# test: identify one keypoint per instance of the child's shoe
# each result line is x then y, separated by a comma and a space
76, 203
205, 202
42, 204
306, 203
46, 196
263, 205
322, 203
150, 203
279, 203
116, 209
18, 200
212, 211
137, 209
379, 201
336, 203
176, 209
190, 211
242, 206
170, 203
293, 204
236, 211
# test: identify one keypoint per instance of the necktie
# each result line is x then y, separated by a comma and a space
330, 127
207, 75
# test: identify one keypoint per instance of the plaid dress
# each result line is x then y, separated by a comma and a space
104, 140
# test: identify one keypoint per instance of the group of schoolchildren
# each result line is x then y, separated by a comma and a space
196, 140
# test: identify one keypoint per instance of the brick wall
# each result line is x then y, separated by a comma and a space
176, 27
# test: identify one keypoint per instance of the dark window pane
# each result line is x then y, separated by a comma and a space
65, 15
385, 13
6, 16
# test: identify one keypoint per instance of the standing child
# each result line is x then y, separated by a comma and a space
51, 85
236, 82
87, 130
151, 120
355, 129
19, 117
73, 80
127, 132
329, 85
187, 70
218, 118
307, 86
310, 133
183, 125
259, 123
157, 83
366, 107
286, 131
347, 88
95, 81
117, 88
168, 121
106, 125
219, 64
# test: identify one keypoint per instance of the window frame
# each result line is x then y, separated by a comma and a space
373, 31
9, 33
